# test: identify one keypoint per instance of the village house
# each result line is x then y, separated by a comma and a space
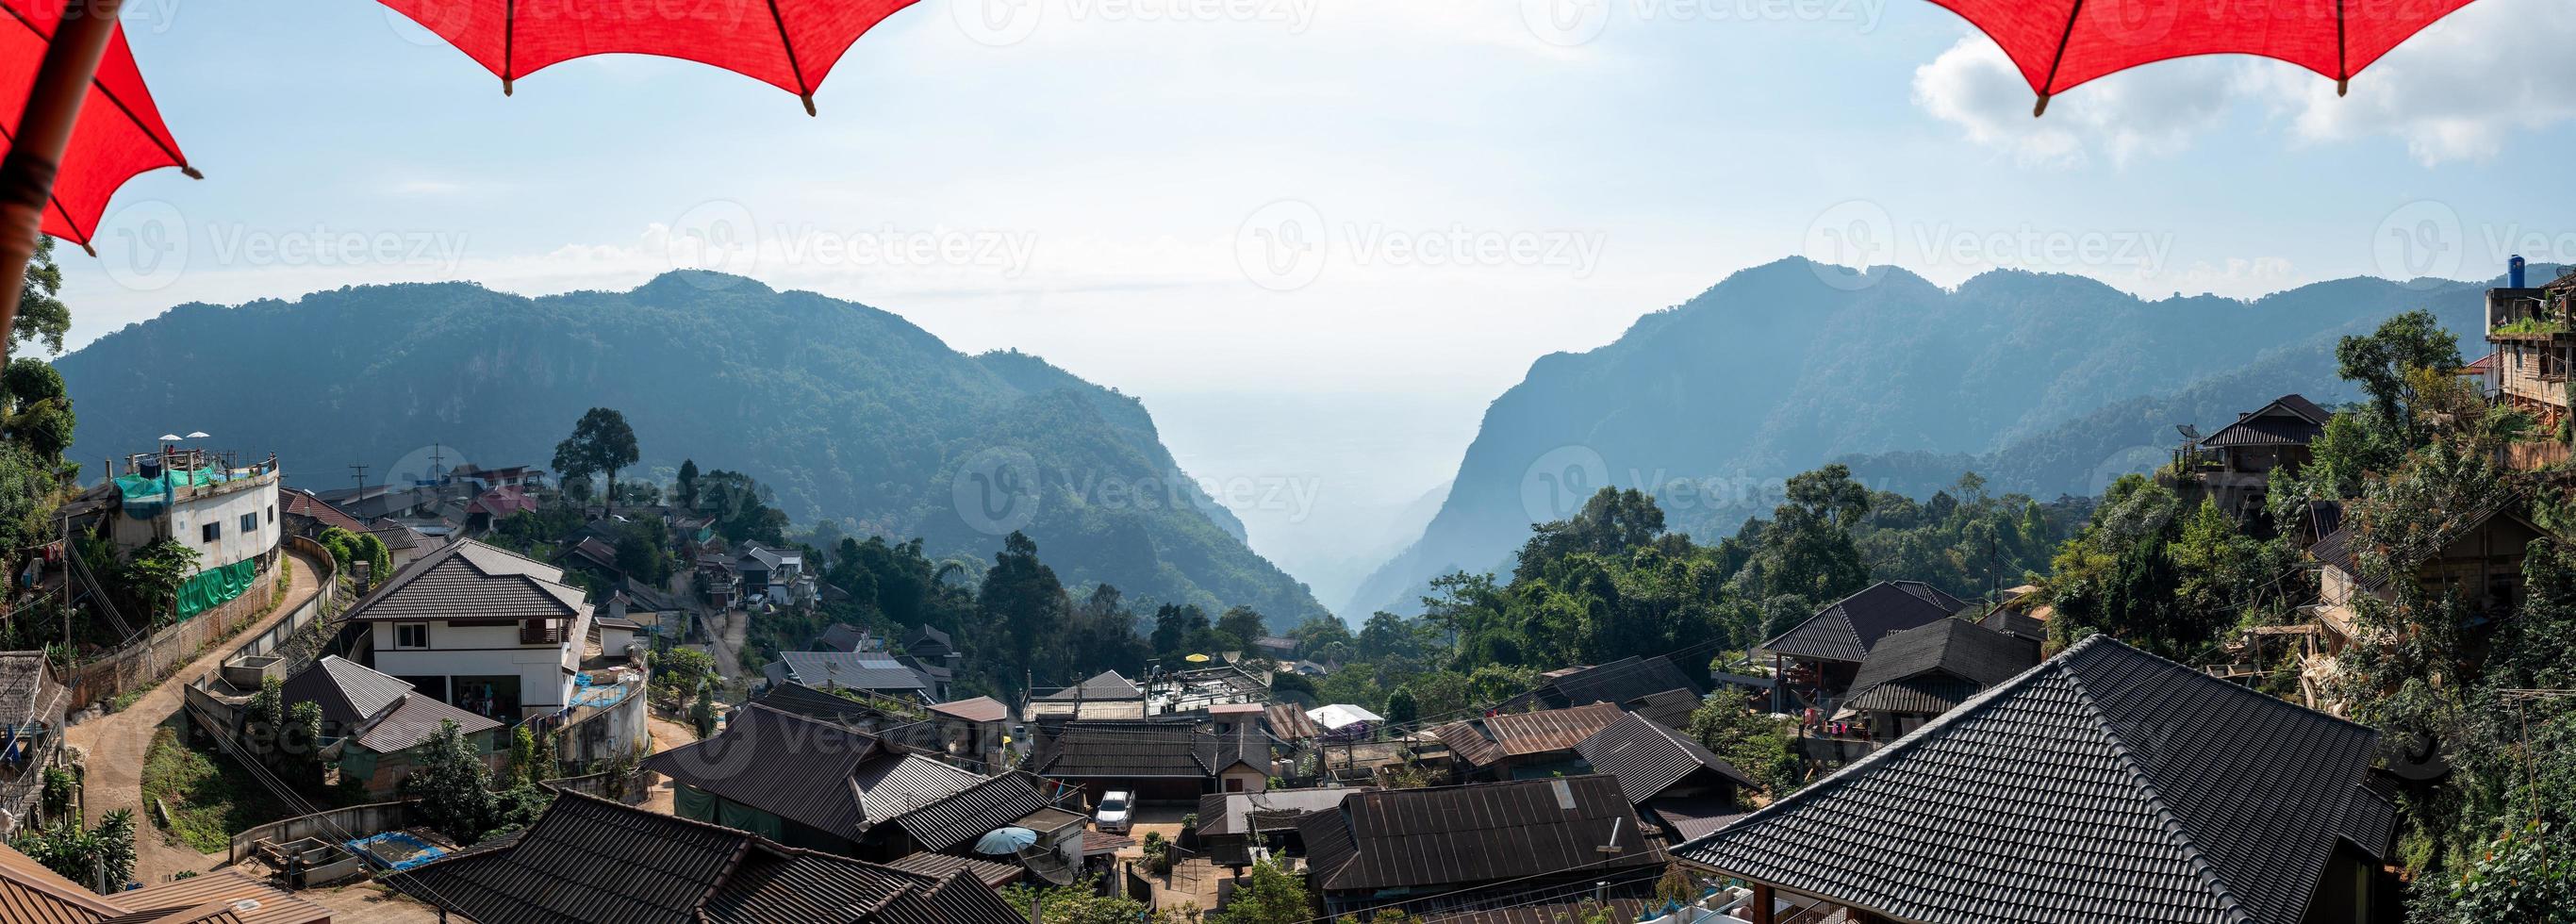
1671, 779
845, 638
206, 501
32, 894
1656, 687
2233, 467
1423, 850
1816, 660
1522, 745
974, 731
1237, 828
2478, 561
1912, 676
307, 516
486, 630
590, 859
1105, 696
2105, 785
776, 576
2022, 613
807, 782
2535, 347
1158, 761
385, 747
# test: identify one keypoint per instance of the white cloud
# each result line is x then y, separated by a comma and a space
2154, 111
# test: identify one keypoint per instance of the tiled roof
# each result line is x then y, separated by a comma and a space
928, 633
1484, 741
348, 692
297, 502
1137, 750
1457, 836
1673, 708
591, 860
2016, 623
1103, 685
2105, 784
470, 580
1846, 630
842, 637
413, 720
797, 768
819, 704
973, 812
2290, 420
1648, 758
979, 709
1952, 655
1622, 681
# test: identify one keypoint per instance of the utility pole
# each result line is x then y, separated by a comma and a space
358, 473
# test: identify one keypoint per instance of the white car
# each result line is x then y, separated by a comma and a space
1115, 811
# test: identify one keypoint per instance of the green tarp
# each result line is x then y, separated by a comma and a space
216, 586
357, 762
142, 496
693, 804
742, 817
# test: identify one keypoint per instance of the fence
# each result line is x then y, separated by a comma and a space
151, 659
2532, 456
334, 826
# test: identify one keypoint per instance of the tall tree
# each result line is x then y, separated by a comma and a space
600, 444
2380, 361
41, 312
1023, 601
687, 496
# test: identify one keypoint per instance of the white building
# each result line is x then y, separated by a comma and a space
227, 513
488, 631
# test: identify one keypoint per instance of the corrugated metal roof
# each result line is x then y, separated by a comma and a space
2105, 784
788, 765
973, 813
979, 709
32, 894
1103, 685
224, 895
1481, 742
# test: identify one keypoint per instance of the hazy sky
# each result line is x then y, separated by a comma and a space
1317, 236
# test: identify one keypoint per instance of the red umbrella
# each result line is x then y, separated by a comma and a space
119, 133
788, 44
2061, 43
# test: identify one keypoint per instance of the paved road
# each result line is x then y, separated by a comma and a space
114, 745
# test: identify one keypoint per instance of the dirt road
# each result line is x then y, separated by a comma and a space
114, 745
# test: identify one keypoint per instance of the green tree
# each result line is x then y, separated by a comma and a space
702, 714
1268, 895
600, 444
687, 493
158, 569
84, 855
1765, 748
1022, 601
301, 741
41, 312
1240, 627
2380, 361
39, 409
1401, 706
449, 779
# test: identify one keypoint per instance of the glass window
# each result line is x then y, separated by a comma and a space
411, 635
211, 531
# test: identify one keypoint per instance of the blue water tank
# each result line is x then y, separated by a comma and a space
2513, 272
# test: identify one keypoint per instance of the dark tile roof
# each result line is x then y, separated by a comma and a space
2016, 623
1647, 758
1136, 750
1673, 708
973, 812
2106, 784
2290, 420
1481, 742
592, 861
788, 765
1103, 685
1950, 654
297, 502
1923, 694
1458, 836
823, 705
1622, 681
1846, 630
470, 580
1695, 817
928, 633
348, 692
842, 637
414, 719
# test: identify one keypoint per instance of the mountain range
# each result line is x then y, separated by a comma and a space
2046, 383
850, 414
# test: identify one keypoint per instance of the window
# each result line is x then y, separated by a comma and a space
272, 513
250, 522
211, 531
411, 635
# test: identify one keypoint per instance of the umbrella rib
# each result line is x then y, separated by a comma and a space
2343, 70
2045, 85
509, 43
803, 92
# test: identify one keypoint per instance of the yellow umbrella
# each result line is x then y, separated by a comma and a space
1196, 659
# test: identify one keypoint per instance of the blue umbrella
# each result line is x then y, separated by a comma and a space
1005, 840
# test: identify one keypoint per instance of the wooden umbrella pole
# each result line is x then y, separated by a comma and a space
44, 129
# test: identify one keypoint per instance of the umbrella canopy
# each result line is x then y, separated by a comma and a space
119, 132
788, 44
1005, 840
2061, 43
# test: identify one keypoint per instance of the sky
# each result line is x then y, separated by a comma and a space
1317, 237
